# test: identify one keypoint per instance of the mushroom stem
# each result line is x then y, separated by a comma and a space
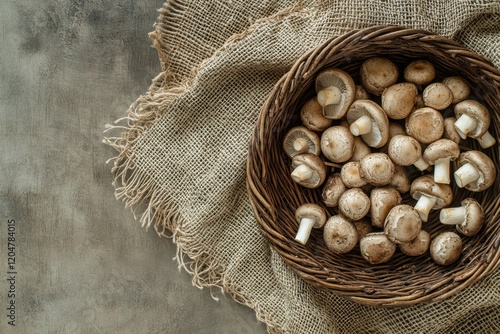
442, 171
305, 227
466, 174
300, 145
452, 216
424, 205
361, 126
464, 125
301, 173
487, 140
329, 95
421, 164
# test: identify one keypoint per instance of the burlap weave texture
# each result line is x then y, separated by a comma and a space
181, 158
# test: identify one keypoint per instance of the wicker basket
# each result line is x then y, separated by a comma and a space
274, 197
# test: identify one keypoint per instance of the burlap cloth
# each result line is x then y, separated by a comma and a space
182, 150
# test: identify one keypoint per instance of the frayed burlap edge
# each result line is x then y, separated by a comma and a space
138, 190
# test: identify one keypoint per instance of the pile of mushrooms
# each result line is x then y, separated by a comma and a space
359, 142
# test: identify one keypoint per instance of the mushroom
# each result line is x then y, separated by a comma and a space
340, 235
468, 218
402, 224
377, 169
332, 190
350, 175
377, 74
449, 130
363, 228
446, 248
308, 170
309, 216
425, 125
398, 100
420, 72
361, 150
417, 246
382, 200
376, 248
429, 195
400, 180
458, 86
406, 151
394, 130
300, 140
335, 92
312, 117
361, 93
473, 120
439, 154
419, 102
337, 144
476, 171
368, 120
354, 204
437, 95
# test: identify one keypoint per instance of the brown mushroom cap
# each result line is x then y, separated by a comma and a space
350, 175
419, 72
468, 218
299, 140
377, 74
315, 170
400, 180
379, 132
354, 204
377, 169
382, 200
337, 144
417, 246
332, 190
398, 100
340, 235
437, 95
446, 248
458, 86
449, 130
482, 164
425, 125
363, 228
402, 224
419, 102
478, 113
312, 117
404, 150
344, 82
376, 248
309, 216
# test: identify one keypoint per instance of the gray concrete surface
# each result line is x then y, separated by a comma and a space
83, 264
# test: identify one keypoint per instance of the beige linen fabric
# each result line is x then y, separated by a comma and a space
182, 150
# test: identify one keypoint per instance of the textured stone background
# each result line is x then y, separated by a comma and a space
84, 264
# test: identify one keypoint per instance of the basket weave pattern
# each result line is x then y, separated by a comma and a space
274, 196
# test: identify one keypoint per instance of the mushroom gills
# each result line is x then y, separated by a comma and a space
466, 174
305, 227
424, 205
329, 95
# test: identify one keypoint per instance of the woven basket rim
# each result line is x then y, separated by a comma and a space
273, 221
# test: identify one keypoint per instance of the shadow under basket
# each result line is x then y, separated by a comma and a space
274, 197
